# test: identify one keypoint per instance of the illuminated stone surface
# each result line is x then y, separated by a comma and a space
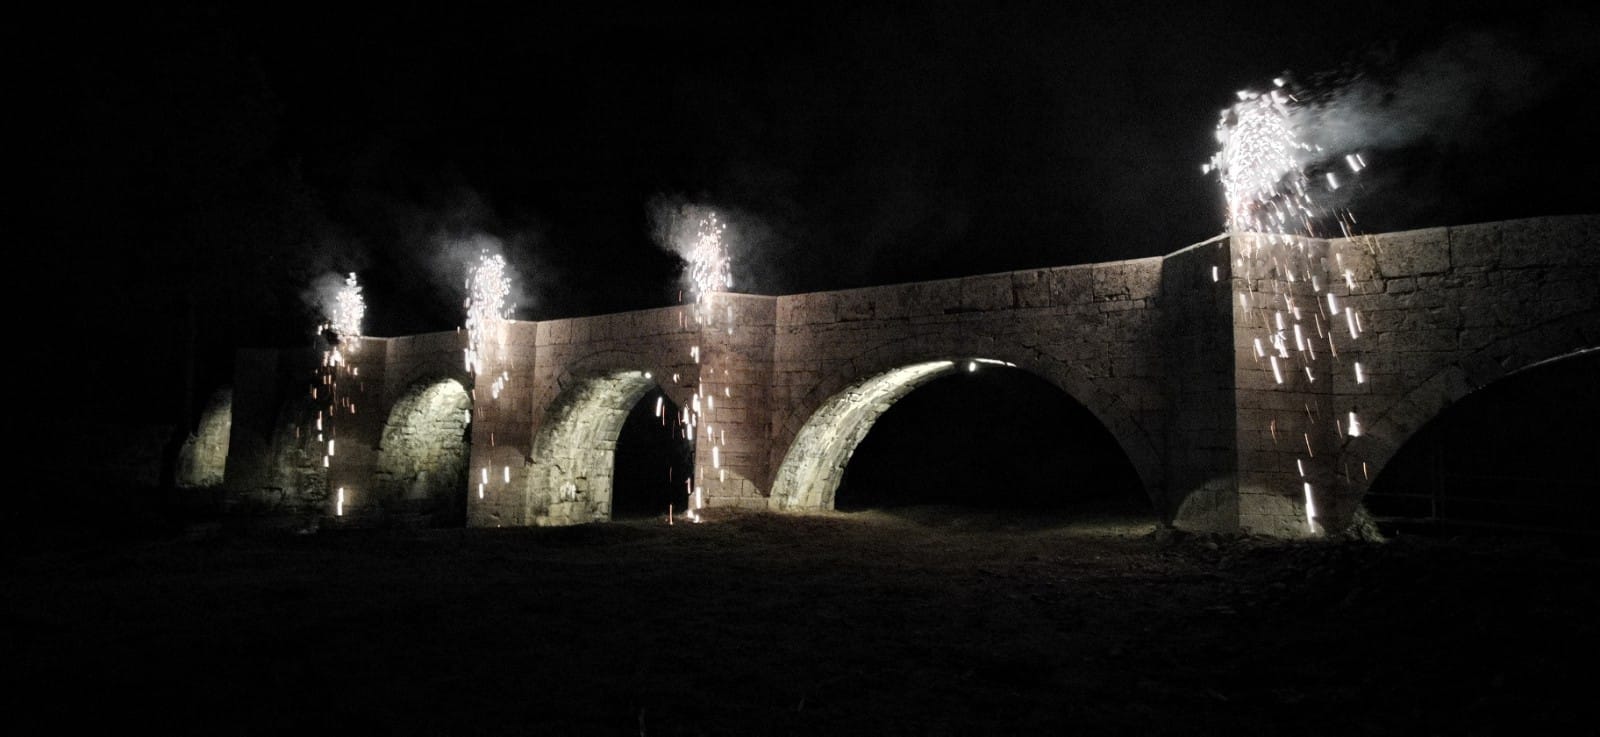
204, 456
1157, 349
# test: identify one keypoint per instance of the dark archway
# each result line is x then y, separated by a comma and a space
653, 460
990, 437
1519, 453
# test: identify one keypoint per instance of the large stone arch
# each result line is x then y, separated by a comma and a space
1388, 430
423, 453
819, 433
569, 478
203, 460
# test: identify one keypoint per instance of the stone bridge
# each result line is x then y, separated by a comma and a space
1256, 383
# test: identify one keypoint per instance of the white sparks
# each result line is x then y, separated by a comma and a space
1361, 378
488, 295
1355, 426
1311, 510
346, 311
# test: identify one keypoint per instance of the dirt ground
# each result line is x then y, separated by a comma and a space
926, 621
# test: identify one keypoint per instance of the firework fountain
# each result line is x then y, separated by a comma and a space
340, 333
488, 306
708, 272
1277, 188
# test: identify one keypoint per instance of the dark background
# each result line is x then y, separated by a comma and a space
189, 172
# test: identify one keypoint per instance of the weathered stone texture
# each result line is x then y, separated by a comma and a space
1163, 351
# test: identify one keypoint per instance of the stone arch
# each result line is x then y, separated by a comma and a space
294, 480
824, 428
1386, 432
574, 450
203, 460
423, 453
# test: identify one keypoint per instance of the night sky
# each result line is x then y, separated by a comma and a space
214, 163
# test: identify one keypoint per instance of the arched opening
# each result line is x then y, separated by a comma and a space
654, 459
998, 438
203, 459
421, 475
574, 452
974, 433
1518, 453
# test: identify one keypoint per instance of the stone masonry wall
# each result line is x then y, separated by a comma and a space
1091, 330
1200, 454
1450, 310
1161, 350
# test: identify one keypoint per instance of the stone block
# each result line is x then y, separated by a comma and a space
1073, 285
1413, 253
1030, 288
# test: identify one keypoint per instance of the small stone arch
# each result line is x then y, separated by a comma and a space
819, 432
203, 460
1387, 431
294, 480
574, 451
421, 472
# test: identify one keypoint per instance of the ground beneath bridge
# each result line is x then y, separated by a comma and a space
926, 622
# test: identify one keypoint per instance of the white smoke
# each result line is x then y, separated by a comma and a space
458, 254
707, 238
1450, 94
338, 302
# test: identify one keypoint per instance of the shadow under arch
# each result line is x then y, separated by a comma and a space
573, 463
814, 465
1386, 432
421, 474
1515, 453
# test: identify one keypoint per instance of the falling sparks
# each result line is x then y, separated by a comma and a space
1259, 162
708, 259
1275, 185
707, 273
340, 332
1311, 510
488, 307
